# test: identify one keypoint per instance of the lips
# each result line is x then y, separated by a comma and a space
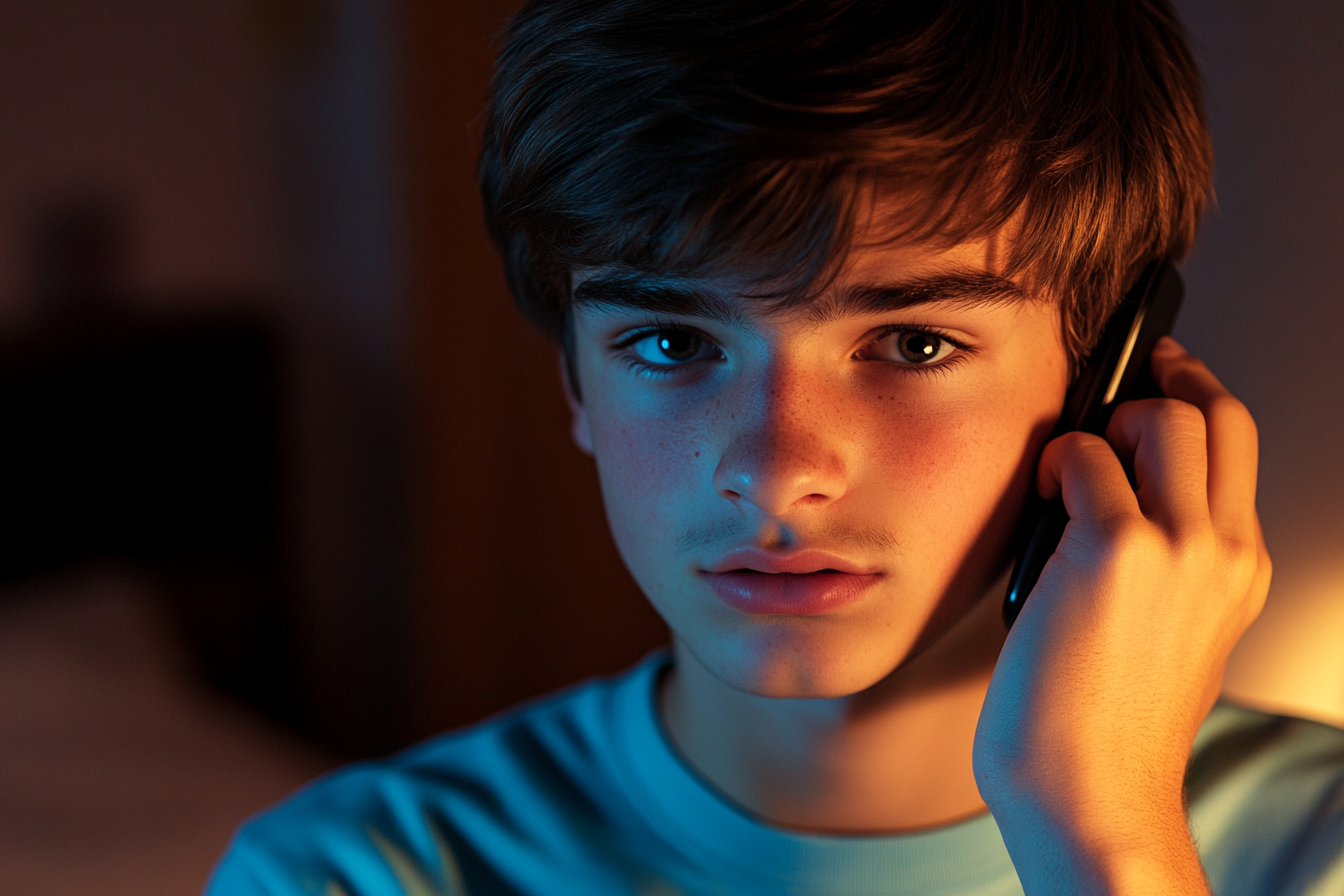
806, 583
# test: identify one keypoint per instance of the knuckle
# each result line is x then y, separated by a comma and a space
1245, 565
1264, 574
1198, 547
1182, 415
1171, 415
1240, 553
1227, 411
1187, 368
1077, 441
1080, 450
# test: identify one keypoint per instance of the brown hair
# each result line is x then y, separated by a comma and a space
704, 137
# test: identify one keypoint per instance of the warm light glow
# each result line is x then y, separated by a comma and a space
1292, 659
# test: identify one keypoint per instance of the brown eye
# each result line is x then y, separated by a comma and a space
913, 347
919, 348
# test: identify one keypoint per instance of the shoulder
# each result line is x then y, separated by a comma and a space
515, 789
1266, 797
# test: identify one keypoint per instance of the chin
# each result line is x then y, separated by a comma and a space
785, 663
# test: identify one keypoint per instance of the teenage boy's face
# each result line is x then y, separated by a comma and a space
811, 497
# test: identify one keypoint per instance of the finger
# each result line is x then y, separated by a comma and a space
1165, 440
1083, 470
1233, 443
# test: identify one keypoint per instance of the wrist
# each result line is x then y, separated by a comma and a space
1174, 869
1110, 852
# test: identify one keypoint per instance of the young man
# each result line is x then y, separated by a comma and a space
822, 272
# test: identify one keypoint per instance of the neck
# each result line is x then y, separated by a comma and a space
893, 758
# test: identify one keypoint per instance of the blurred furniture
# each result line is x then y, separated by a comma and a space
121, 775
156, 443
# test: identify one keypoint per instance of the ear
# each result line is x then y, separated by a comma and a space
578, 425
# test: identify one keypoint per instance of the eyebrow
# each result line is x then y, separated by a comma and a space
659, 295
961, 289
671, 296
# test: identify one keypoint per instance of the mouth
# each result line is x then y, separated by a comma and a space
807, 583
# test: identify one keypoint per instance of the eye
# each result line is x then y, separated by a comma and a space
670, 348
915, 347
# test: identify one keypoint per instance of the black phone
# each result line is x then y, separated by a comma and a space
1116, 371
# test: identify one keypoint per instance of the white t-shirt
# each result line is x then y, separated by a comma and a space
582, 793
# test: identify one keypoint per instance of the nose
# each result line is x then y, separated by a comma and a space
786, 447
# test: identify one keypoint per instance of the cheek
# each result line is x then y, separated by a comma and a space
651, 466
950, 474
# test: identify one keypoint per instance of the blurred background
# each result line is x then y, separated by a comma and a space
286, 481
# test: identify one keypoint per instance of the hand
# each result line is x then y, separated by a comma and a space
1106, 676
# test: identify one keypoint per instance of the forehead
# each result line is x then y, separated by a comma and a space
872, 278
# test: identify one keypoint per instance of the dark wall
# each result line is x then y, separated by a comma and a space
518, 588
1266, 310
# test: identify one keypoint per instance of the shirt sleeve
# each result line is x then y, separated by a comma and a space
1267, 804
327, 842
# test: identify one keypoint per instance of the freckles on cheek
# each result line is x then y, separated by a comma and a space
919, 447
647, 461
952, 469
937, 465
653, 485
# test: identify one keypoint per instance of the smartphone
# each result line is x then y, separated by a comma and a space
1116, 371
